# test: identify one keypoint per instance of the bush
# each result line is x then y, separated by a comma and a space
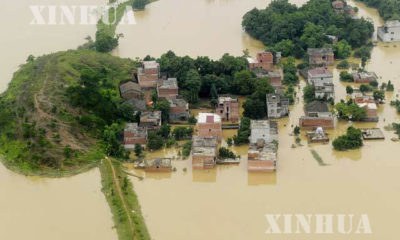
346, 77
225, 153
343, 65
243, 133
181, 133
187, 148
351, 140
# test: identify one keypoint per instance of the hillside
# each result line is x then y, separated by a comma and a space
44, 126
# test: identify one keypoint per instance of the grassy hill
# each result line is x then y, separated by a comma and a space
42, 132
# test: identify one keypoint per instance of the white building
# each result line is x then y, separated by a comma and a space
319, 76
390, 32
264, 130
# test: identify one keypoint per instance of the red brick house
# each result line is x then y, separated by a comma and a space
228, 109
168, 88
204, 152
179, 109
364, 77
133, 134
151, 120
148, 74
264, 60
321, 56
209, 125
317, 115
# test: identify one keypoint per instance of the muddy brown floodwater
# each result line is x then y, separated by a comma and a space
228, 202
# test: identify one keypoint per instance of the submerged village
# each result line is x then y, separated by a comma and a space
203, 127
306, 107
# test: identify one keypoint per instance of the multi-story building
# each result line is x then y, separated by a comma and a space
326, 91
319, 76
277, 106
204, 152
209, 125
228, 109
130, 90
321, 56
179, 109
264, 61
151, 120
168, 88
148, 74
317, 115
390, 32
262, 154
133, 134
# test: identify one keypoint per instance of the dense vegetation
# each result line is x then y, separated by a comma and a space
350, 111
388, 9
58, 106
351, 140
290, 29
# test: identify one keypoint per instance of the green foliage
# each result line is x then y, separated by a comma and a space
244, 82
305, 26
254, 108
350, 111
187, 148
364, 51
112, 145
243, 133
351, 140
163, 106
388, 9
349, 90
343, 65
379, 95
309, 93
365, 88
396, 127
155, 141
296, 131
140, 4
396, 104
346, 77
180, 133
342, 50
164, 131
138, 150
390, 86
290, 71
225, 153
192, 120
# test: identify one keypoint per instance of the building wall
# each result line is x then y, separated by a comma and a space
261, 166
275, 81
210, 130
233, 111
176, 113
167, 93
388, 36
203, 162
310, 123
317, 60
148, 80
319, 80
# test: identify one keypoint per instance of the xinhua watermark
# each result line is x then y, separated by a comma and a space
79, 15
318, 224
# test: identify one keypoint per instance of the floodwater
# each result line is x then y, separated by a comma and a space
228, 202
190, 27
41, 208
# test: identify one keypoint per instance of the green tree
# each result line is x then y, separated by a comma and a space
243, 82
112, 145
140, 4
379, 95
138, 150
163, 106
342, 49
349, 90
155, 141
309, 93
192, 84
164, 131
351, 140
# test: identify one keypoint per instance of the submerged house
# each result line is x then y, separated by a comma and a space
168, 88
179, 109
228, 109
209, 125
130, 90
157, 165
317, 115
277, 106
263, 61
364, 77
325, 91
322, 79
390, 32
263, 147
148, 74
204, 152
321, 56
151, 120
133, 134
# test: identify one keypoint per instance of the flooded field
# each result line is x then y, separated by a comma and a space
230, 203
48, 209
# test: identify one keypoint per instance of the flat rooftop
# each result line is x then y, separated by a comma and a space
209, 118
170, 83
